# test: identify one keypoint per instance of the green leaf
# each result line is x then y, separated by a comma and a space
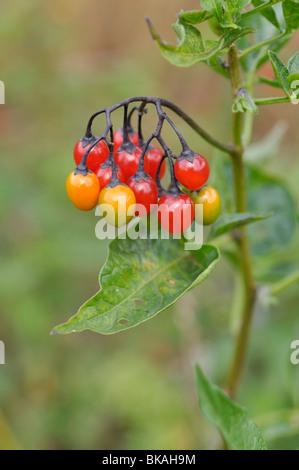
140, 279
293, 63
281, 72
190, 49
238, 432
275, 47
243, 102
226, 12
291, 14
266, 194
269, 13
234, 7
193, 16
214, 7
228, 222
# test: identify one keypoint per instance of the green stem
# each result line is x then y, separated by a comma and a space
259, 45
242, 241
285, 283
259, 8
276, 100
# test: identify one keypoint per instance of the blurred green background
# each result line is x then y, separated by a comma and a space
61, 61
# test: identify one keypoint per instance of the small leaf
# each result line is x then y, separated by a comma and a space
190, 49
281, 72
140, 279
193, 16
228, 222
214, 7
238, 432
293, 64
268, 13
291, 14
233, 8
244, 102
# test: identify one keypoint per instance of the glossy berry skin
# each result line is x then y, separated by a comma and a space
83, 191
104, 176
128, 162
192, 173
210, 199
152, 159
97, 155
146, 194
175, 214
118, 203
119, 137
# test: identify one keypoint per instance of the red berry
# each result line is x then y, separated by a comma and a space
192, 171
119, 137
175, 214
97, 155
146, 193
104, 176
151, 162
128, 161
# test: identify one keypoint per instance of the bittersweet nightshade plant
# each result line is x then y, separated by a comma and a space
142, 278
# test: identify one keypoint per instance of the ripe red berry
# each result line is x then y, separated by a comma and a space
175, 213
127, 158
119, 137
104, 174
192, 170
146, 193
151, 162
98, 154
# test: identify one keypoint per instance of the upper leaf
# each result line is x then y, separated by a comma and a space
239, 433
193, 16
190, 49
140, 279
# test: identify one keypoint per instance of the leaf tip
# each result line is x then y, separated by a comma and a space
54, 332
151, 28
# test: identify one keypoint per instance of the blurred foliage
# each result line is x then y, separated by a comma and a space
61, 61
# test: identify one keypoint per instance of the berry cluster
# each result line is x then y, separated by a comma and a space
123, 172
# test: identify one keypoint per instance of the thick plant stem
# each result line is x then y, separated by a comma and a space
242, 241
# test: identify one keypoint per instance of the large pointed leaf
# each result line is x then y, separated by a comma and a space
140, 279
190, 48
231, 419
228, 222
